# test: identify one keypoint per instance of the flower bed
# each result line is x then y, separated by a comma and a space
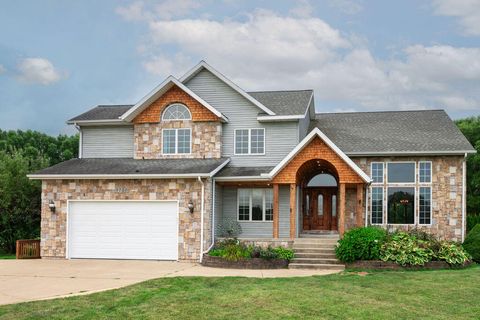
253, 263
390, 265
231, 253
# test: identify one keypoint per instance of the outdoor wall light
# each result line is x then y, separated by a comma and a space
190, 206
51, 205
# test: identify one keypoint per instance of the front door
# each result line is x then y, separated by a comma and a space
320, 209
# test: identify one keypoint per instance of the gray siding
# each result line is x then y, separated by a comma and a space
280, 137
256, 229
218, 210
304, 124
107, 142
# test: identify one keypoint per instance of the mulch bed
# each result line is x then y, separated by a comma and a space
254, 263
389, 265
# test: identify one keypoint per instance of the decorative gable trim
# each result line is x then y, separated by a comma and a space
203, 65
313, 134
158, 92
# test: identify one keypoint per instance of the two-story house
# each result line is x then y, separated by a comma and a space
163, 178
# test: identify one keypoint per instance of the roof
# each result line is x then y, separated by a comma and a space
229, 171
132, 168
102, 112
293, 102
393, 132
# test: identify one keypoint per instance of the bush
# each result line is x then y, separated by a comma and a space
405, 249
472, 221
472, 243
360, 244
231, 228
452, 253
284, 253
234, 250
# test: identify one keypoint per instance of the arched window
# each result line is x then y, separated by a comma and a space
176, 111
322, 180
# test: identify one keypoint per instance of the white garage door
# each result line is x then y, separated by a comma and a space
123, 230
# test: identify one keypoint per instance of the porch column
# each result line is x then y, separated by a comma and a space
341, 209
359, 208
293, 204
275, 211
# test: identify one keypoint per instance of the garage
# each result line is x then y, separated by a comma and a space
123, 230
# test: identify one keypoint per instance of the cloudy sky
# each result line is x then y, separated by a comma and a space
59, 58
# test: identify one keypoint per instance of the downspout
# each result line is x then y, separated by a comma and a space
201, 217
464, 194
367, 188
213, 216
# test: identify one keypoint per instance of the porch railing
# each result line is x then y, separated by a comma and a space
28, 249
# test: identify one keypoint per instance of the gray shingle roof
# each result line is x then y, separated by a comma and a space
243, 171
283, 103
116, 166
102, 112
392, 131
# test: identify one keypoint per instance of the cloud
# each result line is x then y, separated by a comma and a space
38, 71
268, 51
2, 69
168, 9
346, 6
467, 11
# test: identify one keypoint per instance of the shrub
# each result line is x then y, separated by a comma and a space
216, 252
231, 229
452, 253
472, 221
236, 252
360, 244
284, 253
268, 254
406, 249
472, 243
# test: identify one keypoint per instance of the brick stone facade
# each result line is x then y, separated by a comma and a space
446, 194
53, 225
206, 139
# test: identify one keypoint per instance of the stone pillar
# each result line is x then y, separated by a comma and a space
275, 211
359, 206
293, 205
341, 209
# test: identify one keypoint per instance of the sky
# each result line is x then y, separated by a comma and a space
61, 58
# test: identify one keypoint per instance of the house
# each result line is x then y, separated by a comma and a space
163, 178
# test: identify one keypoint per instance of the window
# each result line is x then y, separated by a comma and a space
320, 205
176, 141
377, 205
401, 205
425, 171
425, 215
176, 111
255, 204
401, 172
250, 141
334, 205
307, 205
377, 172
322, 180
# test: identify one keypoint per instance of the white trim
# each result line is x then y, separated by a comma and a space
158, 91
383, 172
220, 167
414, 207
366, 205
176, 142
243, 178
431, 206
202, 211
383, 205
67, 227
317, 133
394, 184
431, 171
249, 142
202, 64
104, 122
464, 195
415, 153
174, 104
80, 141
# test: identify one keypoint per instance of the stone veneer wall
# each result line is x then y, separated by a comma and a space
53, 226
446, 194
206, 139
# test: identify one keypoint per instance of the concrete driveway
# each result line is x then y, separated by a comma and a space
27, 280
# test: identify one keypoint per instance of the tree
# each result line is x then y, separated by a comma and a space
470, 127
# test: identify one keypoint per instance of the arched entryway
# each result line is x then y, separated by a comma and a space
318, 181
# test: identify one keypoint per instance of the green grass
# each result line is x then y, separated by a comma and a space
444, 294
7, 256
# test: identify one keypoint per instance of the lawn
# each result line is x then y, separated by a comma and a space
446, 294
7, 255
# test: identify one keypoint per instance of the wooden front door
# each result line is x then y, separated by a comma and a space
320, 209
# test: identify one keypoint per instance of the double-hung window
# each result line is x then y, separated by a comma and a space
250, 141
255, 204
176, 141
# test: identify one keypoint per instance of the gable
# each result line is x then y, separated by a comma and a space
175, 94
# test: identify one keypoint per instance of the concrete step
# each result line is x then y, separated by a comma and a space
316, 261
315, 255
329, 250
316, 266
313, 246
315, 240
319, 235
